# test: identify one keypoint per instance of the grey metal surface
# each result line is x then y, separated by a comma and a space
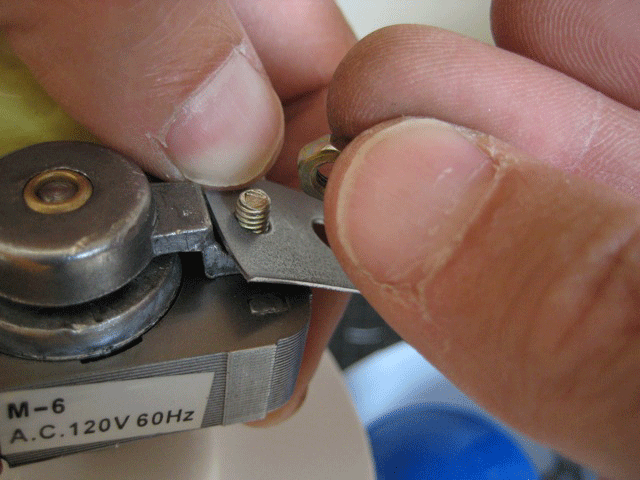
182, 221
288, 352
217, 262
249, 376
291, 251
94, 328
69, 258
207, 317
208, 320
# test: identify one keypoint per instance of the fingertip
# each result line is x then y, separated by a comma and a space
283, 413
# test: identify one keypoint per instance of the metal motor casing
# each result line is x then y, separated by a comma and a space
251, 337
59, 259
71, 355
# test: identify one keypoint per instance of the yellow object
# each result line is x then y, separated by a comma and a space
27, 114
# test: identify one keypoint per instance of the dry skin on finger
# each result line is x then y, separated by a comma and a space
518, 281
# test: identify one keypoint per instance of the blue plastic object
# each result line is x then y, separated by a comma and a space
429, 442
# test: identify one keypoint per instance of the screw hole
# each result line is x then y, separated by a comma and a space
321, 233
322, 174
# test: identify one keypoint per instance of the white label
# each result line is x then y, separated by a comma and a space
76, 415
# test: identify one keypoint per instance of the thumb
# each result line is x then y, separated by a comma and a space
518, 281
176, 85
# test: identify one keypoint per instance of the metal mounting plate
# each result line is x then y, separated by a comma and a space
291, 252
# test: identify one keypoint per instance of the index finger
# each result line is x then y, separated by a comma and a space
300, 43
178, 86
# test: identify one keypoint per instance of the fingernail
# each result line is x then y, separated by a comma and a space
231, 130
407, 196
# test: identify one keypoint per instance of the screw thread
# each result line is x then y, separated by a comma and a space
252, 210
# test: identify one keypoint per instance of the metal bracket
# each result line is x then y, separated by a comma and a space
291, 251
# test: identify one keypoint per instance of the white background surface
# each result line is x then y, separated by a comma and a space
469, 17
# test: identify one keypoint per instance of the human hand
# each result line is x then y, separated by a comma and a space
511, 264
205, 90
